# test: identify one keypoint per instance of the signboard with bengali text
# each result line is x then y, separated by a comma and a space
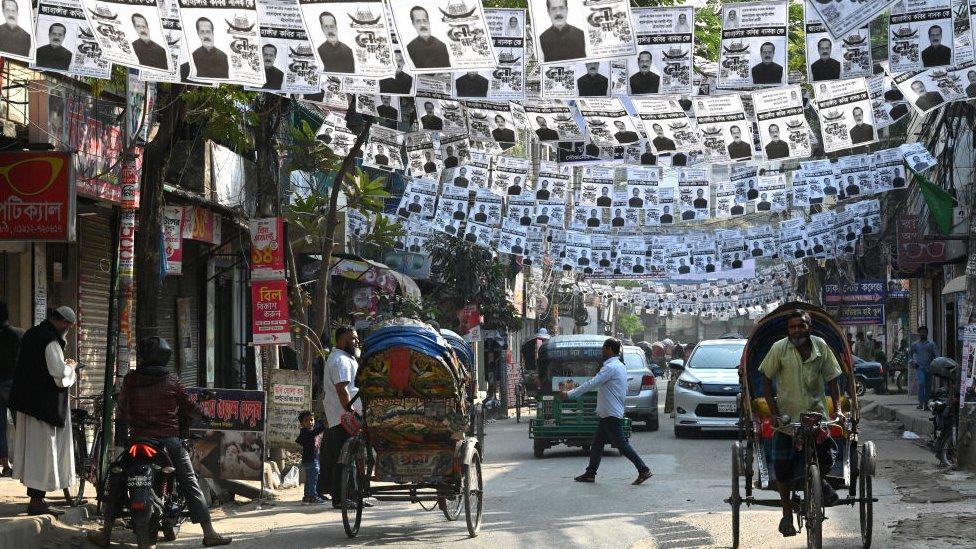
857, 303
37, 196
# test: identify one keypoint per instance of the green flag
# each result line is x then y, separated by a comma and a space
940, 202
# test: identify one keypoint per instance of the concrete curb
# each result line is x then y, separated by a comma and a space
906, 414
22, 532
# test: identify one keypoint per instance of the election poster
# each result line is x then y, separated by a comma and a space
438, 112
349, 37
418, 199
597, 186
231, 443
726, 135
853, 176
331, 94
725, 200
829, 58
173, 239
421, 157
512, 238
491, 122
920, 35
130, 33
579, 79
521, 209
607, 122
694, 194
962, 51
286, 52
382, 151
439, 35
68, 43
487, 208
17, 38
752, 52
480, 234
225, 43
552, 180
510, 175
783, 129
550, 213
772, 193
843, 17
887, 100
929, 89
400, 84
570, 30
665, 51
845, 112
642, 183
507, 80
667, 125
179, 55
888, 167
454, 149
552, 121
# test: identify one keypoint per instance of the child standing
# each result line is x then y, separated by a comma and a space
310, 438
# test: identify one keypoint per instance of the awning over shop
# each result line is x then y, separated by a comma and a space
955, 285
374, 273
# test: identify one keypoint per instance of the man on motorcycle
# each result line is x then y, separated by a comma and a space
151, 403
800, 364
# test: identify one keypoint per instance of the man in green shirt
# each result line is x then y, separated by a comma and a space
800, 364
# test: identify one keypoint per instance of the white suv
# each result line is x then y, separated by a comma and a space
706, 393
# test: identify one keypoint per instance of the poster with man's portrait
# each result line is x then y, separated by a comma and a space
725, 133
843, 17
830, 58
382, 150
491, 122
552, 121
752, 53
570, 30
130, 33
507, 80
920, 35
224, 41
179, 55
443, 35
286, 52
349, 37
669, 129
577, 79
929, 89
65, 41
665, 50
845, 112
783, 129
17, 30
608, 123
438, 112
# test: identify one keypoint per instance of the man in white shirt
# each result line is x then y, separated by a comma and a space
339, 388
611, 385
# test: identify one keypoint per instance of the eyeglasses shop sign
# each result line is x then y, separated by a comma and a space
37, 197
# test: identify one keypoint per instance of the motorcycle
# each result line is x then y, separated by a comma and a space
944, 405
146, 493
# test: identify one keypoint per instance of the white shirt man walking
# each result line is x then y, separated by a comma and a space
611, 384
42, 448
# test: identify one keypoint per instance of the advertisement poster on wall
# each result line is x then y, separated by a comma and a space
967, 385
290, 394
231, 444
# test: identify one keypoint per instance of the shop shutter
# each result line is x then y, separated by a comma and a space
94, 290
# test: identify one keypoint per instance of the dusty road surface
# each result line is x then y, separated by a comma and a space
535, 503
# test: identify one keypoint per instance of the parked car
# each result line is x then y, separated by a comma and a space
869, 375
641, 401
706, 392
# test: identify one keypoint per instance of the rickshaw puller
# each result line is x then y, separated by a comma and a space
800, 364
612, 383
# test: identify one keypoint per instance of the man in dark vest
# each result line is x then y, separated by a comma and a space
42, 447
9, 347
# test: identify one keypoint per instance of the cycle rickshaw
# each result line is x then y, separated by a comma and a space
855, 463
413, 433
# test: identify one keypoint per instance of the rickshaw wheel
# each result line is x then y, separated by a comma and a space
473, 494
813, 508
451, 507
865, 495
351, 490
736, 499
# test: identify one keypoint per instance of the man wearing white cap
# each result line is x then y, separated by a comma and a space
42, 448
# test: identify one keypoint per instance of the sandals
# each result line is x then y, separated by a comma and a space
585, 478
786, 527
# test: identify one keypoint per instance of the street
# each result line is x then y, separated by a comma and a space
535, 503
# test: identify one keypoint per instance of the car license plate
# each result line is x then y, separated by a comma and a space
727, 407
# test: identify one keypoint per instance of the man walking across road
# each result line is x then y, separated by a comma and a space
922, 353
9, 347
611, 385
42, 449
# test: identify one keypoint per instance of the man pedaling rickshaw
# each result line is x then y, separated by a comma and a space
800, 364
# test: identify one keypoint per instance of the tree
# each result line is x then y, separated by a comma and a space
470, 274
629, 324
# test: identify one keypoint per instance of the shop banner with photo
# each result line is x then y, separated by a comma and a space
232, 434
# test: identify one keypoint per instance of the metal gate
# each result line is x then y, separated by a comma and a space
94, 291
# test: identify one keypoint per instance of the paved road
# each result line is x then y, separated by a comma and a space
535, 503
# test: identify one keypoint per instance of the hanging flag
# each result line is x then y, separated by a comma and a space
940, 202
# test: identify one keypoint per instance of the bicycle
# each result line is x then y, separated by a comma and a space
88, 458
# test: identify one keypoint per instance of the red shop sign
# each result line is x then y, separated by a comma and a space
269, 312
37, 196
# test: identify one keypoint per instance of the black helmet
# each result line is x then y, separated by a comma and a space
154, 352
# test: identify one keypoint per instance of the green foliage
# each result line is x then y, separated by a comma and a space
308, 154
629, 324
395, 305
469, 274
224, 112
384, 232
